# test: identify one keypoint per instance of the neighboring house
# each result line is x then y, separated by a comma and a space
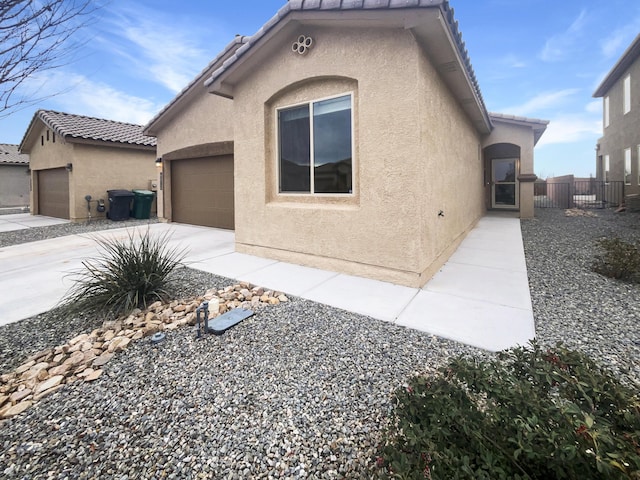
73, 156
618, 150
14, 177
380, 98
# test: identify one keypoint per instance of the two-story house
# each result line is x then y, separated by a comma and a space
618, 151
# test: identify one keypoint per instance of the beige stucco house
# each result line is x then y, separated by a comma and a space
14, 177
73, 156
618, 150
345, 135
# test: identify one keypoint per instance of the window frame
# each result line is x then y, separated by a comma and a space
310, 103
605, 112
626, 94
627, 166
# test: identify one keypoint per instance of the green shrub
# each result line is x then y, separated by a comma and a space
618, 259
128, 274
527, 414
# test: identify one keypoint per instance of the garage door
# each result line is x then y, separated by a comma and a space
53, 192
202, 191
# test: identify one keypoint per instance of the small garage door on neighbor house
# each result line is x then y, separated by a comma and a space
53, 193
202, 191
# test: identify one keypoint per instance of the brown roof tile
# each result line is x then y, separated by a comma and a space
89, 128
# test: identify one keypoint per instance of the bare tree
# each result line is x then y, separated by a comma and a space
34, 37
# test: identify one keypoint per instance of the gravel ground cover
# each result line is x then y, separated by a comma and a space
572, 304
42, 233
300, 389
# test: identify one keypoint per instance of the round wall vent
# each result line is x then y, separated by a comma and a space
302, 45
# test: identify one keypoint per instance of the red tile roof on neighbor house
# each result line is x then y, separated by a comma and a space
70, 127
9, 155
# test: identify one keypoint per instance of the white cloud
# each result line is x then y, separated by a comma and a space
513, 61
594, 106
571, 128
541, 101
156, 46
560, 45
82, 96
615, 44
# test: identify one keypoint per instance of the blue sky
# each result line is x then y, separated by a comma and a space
534, 58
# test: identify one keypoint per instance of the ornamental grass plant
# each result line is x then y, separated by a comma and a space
529, 413
128, 274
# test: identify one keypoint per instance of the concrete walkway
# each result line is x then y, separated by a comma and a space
20, 221
480, 296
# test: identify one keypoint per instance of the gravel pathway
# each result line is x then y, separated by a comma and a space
300, 389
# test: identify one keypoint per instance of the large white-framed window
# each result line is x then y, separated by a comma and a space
627, 166
316, 134
605, 111
626, 94
605, 168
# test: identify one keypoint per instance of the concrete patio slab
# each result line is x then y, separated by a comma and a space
479, 297
286, 277
234, 265
481, 324
492, 285
376, 299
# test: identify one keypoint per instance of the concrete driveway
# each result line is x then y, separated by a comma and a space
480, 296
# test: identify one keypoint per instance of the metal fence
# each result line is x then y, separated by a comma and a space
579, 194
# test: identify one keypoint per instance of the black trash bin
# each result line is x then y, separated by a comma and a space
142, 200
119, 204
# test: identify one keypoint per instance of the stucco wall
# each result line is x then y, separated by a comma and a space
505, 132
450, 195
14, 185
622, 132
96, 169
403, 145
46, 152
205, 118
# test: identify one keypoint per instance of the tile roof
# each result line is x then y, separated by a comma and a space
72, 126
9, 155
515, 118
344, 5
630, 55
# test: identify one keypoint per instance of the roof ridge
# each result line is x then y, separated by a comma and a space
76, 126
351, 5
89, 117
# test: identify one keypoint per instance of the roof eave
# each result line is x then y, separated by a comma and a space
438, 26
538, 126
451, 65
151, 128
629, 56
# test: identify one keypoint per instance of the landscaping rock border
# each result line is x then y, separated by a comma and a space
82, 357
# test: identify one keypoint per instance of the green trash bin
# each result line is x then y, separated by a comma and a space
142, 200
